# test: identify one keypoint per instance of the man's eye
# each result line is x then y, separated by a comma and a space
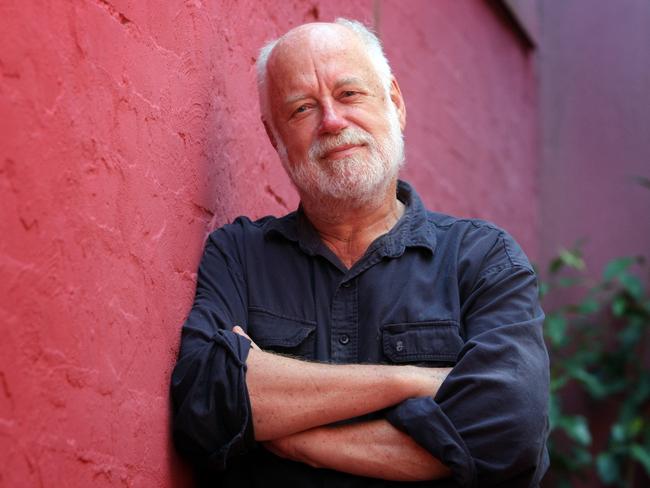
349, 93
301, 109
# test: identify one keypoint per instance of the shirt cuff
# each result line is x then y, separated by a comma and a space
212, 422
424, 421
244, 439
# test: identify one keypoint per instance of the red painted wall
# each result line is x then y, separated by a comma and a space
470, 87
129, 131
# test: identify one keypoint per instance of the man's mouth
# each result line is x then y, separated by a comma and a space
342, 151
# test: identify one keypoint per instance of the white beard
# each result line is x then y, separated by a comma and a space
359, 179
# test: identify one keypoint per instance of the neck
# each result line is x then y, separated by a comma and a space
348, 228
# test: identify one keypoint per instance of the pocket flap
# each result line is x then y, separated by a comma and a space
270, 330
422, 341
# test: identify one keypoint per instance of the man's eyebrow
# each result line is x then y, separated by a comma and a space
352, 80
294, 98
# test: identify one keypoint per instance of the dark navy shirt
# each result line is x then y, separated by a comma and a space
434, 291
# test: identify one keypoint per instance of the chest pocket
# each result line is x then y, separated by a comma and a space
435, 343
284, 335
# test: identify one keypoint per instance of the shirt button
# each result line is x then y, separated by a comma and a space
399, 346
346, 284
344, 339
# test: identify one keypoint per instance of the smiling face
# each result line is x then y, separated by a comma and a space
336, 124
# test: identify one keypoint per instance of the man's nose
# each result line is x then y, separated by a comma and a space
333, 121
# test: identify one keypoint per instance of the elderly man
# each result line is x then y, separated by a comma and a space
361, 340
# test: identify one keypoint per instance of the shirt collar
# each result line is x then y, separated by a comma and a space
418, 232
412, 230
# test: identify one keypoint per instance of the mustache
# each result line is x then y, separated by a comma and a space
322, 146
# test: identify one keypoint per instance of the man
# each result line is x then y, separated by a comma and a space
362, 340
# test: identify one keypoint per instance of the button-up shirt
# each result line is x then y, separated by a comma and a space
434, 291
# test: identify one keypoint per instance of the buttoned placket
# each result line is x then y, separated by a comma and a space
344, 334
344, 311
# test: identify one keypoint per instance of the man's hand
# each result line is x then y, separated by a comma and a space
240, 331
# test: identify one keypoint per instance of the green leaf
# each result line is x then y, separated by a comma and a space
590, 381
617, 267
559, 382
576, 428
565, 281
589, 306
618, 433
555, 265
635, 426
642, 392
632, 285
616, 385
631, 409
622, 433
642, 455
556, 326
554, 411
631, 334
572, 259
608, 468
592, 355
619, 305
543, 289
581, 458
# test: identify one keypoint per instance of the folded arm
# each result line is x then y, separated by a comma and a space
372, 448
289, 395
226, 394
488, 422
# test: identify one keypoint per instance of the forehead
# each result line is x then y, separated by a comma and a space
316, 55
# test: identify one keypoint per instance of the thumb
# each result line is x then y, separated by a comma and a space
238, 330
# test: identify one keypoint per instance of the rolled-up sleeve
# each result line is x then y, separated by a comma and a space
488, 421
212, 414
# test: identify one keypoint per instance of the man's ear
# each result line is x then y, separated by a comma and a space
270, 134
396, 97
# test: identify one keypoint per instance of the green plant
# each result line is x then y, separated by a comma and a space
598, 345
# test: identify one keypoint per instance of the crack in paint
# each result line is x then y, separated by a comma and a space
203, 212
28, 223
121, 18
277, 197
5, 385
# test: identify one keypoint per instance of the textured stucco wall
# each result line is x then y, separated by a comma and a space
128, 131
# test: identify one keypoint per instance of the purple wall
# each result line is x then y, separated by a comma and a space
595, 103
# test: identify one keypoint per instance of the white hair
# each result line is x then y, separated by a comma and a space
369, 39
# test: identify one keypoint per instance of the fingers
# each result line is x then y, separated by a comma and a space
241, 332
238, 330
